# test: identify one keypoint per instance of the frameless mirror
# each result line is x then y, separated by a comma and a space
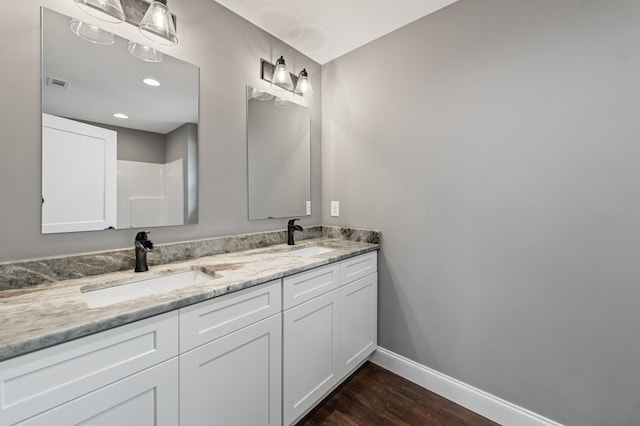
279, 156
117, 152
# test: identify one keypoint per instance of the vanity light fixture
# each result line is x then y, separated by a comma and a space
104, 10
146, 53
281, 79
157, 24
91, 33
154, 21
303, 87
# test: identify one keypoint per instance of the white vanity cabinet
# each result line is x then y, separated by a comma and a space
120, 376
264, 355
231, 372
329, 328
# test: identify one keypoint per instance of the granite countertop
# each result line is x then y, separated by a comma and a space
37, 317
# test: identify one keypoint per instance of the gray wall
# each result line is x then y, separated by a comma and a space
225, 47
496, 145
138, 145
135, 145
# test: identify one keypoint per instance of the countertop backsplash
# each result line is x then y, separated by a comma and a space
22, 274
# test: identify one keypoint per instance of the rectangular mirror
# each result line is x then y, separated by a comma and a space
101, 170
279, 156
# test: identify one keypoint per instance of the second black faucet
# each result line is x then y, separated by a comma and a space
291, 228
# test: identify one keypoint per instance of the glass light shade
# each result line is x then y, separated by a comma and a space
146, 53
281, 79
105, 10
303, 87
157, 25
261, 95
281, 103
91, 32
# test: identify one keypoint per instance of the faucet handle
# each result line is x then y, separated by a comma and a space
292, 222
142, 236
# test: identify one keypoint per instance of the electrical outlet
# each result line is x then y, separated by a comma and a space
335, 208
308, 208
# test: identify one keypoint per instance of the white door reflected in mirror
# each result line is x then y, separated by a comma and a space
78, 176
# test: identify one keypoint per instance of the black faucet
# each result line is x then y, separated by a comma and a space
142, 246
291, 228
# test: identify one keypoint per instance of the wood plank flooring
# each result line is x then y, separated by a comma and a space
375, 396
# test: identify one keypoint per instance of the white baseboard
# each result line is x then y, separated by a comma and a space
483, 403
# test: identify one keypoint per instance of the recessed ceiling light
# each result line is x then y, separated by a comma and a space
151, 82
120, 115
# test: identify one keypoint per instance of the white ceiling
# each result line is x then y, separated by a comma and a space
325, 30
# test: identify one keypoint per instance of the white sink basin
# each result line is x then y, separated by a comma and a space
143, 287
309, 251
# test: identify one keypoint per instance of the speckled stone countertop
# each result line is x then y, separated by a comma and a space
45, 315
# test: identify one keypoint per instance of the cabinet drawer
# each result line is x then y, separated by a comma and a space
358, 267
39, 381
307, 285
209, 320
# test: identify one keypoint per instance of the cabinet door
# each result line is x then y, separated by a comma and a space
358, 322
235, 380
310, 354
148, 398
39, 381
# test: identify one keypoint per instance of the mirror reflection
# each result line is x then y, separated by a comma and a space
279, 156
119, 135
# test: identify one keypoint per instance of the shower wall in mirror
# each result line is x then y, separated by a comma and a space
116, 152
279, 156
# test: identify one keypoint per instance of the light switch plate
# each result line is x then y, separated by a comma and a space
308, 207
335, 208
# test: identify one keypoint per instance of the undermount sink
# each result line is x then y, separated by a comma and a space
145, 286
309, 251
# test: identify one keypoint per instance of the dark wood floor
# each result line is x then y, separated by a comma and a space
375, 396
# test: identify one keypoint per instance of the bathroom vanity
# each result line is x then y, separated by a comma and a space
261, 342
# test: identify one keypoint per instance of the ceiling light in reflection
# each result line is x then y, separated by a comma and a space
151, 82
